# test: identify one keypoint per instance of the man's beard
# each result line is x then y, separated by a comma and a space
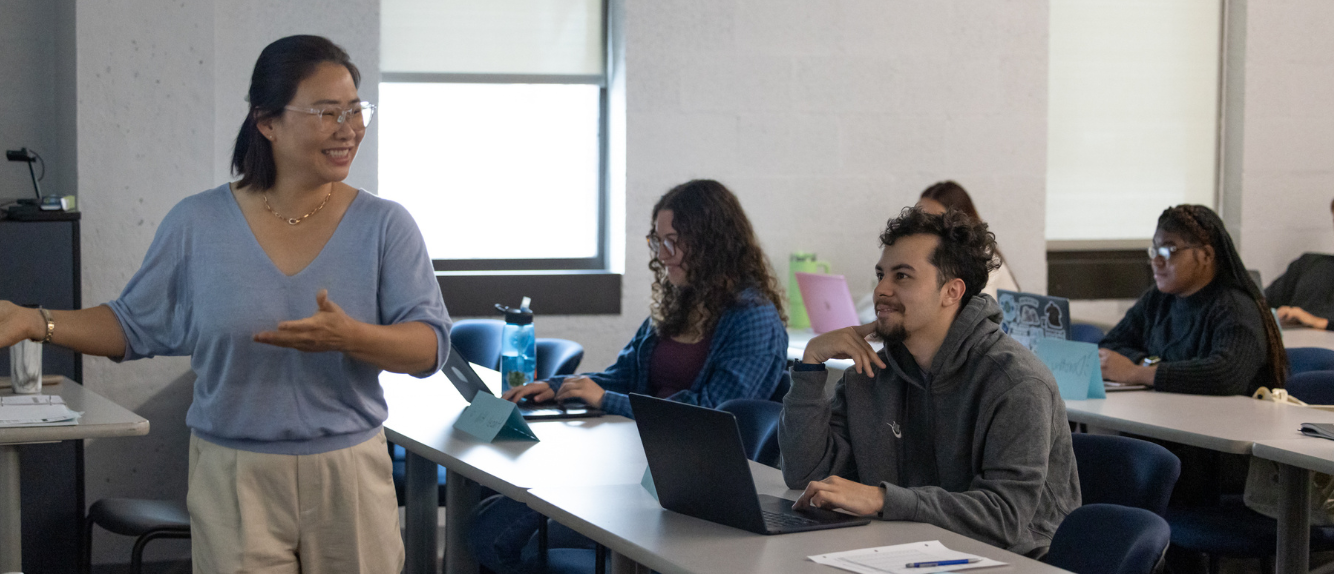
892, 335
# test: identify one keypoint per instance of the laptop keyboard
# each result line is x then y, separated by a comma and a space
776, 520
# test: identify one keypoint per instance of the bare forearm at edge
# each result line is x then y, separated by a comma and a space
402, 348
94, 331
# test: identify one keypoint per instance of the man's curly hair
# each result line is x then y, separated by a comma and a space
722, 259
967, 248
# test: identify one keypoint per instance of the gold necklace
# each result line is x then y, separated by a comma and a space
296, 220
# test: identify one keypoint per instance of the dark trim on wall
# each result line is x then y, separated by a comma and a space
1102, 274
555, 293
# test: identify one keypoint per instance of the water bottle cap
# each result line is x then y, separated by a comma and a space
520, 316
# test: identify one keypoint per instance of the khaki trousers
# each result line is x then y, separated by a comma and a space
333, 512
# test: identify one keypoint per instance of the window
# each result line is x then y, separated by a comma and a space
493, 120
1133, 114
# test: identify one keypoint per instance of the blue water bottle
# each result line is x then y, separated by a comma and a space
518, 346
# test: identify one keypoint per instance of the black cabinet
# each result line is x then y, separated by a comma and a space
39, 264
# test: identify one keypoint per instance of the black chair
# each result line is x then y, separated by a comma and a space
1109, 539
478, 340
1306, 359
1232, 530
1312, 387
1125, 471
1086, 333
758, 421
784, 385
147, 520
557, 357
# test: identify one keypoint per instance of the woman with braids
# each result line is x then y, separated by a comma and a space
1204, 328
715, 333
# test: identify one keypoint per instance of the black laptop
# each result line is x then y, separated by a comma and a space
699, 469
459, 372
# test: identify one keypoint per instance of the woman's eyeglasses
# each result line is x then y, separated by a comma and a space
332, 118
657, 244
1165, 251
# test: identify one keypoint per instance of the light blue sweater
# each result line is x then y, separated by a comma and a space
206, 287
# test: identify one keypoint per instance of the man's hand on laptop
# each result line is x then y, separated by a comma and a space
845, 343
536, 391
582, 388
838, 493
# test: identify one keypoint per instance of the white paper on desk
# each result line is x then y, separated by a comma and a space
893, 559
39, 414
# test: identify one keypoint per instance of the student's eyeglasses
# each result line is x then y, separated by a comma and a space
332, 118
657, 244
1165, 251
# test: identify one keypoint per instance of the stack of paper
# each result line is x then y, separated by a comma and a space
36, 410
896, 559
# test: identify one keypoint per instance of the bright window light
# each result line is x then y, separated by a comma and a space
494, 171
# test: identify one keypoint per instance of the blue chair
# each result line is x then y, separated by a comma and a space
557, 357
1109, 539
758, 421
1312, 387
784, 385
1086, 333
1125, 471
478, 340
1305, 359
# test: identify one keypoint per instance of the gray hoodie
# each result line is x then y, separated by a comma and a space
980, 446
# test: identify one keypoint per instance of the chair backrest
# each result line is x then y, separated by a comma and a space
478, 340
1304, 359
557, 357
1312, 387
1125, 471
784, 385
1086, 333
1109, 539
758, 421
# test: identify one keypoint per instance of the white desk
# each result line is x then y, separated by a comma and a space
629, 521
1232, 424
422, 412
1300, 337
101, 418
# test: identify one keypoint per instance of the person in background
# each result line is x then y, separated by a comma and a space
715, 333
1304, 294
290, 291
1204, 327
952, 423
950, 195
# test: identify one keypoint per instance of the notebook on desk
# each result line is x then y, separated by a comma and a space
699, 469
460, 373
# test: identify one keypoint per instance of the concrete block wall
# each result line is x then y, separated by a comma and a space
827, 118
1288, 163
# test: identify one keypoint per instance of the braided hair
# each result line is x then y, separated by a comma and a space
1201, 225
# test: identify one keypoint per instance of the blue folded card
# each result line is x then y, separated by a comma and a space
647, 483
1076, 366
490, 417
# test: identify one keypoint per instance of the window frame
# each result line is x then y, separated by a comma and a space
601, 260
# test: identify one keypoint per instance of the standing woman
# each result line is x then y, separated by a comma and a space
291, 292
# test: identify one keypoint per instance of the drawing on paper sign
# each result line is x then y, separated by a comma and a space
1029, 317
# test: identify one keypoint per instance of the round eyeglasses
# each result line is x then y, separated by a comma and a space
332, 118
1165, 251
657, 244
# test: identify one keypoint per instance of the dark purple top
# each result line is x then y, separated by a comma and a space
675, 366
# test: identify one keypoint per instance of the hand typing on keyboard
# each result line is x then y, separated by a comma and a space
838, 493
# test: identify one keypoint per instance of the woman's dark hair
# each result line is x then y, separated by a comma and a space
279, 70
722, 258
967, 249
953, 196
1199, 225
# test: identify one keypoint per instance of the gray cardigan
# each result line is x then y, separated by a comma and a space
982, 447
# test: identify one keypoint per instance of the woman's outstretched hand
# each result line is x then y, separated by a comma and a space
17, 323
329, 329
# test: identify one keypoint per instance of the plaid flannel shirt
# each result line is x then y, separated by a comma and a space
746, 358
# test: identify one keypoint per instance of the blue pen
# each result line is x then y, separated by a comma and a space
941, 563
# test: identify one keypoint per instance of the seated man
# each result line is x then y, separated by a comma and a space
1304, 294
953, 423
